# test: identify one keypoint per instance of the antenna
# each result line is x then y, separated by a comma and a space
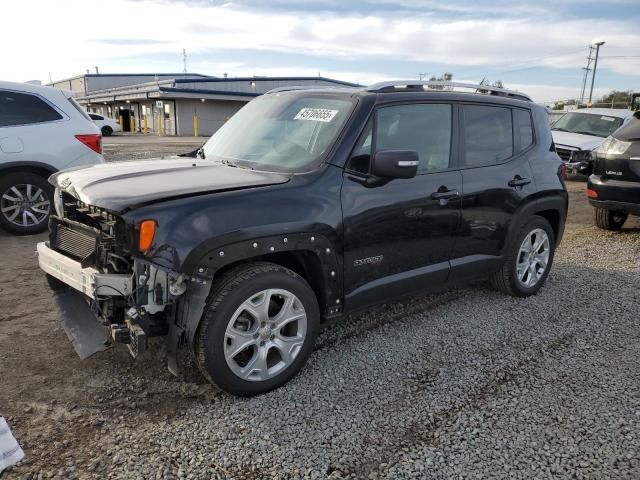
184, 60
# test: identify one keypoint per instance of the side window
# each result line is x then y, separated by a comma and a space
425, 128
23, 109
523, 129
488, 135
95, 117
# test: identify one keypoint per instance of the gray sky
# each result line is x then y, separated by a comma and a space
535, 46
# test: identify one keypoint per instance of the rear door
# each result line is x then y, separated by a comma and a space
399, 235
496, 181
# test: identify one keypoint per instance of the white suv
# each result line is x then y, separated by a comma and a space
42, 130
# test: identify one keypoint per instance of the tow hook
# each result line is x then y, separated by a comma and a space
131, 333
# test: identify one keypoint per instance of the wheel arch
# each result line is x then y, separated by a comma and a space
42, 169
312, 256
552, 208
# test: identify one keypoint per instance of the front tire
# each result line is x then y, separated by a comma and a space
106, 131
26, 200
610, 219
258, 330
528, 260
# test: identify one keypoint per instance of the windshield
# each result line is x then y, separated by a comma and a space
280, 132
588, 124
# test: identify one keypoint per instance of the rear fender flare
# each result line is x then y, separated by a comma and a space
555, 202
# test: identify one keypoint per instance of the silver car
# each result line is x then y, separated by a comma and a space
42, 130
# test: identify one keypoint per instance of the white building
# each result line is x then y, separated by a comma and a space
175, 104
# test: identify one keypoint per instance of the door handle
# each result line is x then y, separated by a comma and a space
444, 195
518, 181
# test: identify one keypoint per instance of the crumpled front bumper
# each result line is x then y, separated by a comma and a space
73, 288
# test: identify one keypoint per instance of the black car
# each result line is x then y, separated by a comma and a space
307, 205
614, 187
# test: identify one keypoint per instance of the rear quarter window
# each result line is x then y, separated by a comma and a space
523, 129
18, 108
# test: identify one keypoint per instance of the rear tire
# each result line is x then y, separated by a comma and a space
610, 219
26, 201
106, 131
528, 260
258, 329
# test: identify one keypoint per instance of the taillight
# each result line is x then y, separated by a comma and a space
92, 140
592, 193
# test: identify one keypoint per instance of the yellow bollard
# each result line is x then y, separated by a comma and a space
121, 123
145, 125
195, 125
160, 119
132, 124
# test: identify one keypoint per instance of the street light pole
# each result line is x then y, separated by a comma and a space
595, 66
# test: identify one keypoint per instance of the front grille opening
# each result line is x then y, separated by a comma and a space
74, 243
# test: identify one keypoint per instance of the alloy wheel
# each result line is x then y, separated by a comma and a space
533, 258
265, 335
25, 205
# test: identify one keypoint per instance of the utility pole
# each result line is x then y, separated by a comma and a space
422, 76
184, 60
595, 66
586, 69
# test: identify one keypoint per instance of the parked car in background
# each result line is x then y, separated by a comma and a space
308, 204
579, 132
42, 130
108, 126
614, 187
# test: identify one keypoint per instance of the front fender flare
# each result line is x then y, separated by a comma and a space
193, 304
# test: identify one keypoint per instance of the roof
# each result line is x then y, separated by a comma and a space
150, 74
266, 79
30, 87
215, 88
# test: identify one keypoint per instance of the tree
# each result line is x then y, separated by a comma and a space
615, 99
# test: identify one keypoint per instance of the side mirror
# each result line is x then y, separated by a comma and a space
391, 164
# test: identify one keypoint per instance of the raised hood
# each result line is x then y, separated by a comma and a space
122, 186
576, 140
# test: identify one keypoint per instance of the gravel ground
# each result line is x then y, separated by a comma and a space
466, 383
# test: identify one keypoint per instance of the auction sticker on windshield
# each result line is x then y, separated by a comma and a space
608, 119
316, 114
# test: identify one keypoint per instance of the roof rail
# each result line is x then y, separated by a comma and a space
439, 85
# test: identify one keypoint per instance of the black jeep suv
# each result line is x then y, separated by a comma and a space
307, 205
614, 187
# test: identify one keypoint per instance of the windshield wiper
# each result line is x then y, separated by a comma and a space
558, 129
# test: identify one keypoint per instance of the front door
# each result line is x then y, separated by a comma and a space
400, 235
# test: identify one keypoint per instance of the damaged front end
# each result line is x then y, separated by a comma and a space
105, 292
